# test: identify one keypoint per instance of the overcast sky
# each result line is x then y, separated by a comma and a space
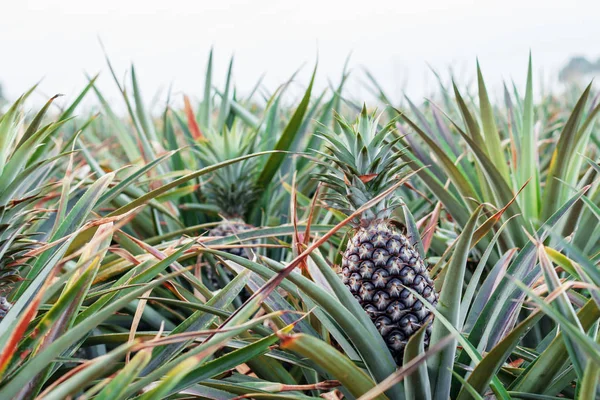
168, 41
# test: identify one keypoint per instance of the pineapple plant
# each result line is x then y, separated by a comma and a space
25, 162
379, 263
94, 315
231, 189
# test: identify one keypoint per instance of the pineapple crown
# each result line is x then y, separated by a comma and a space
233, 187
361, 164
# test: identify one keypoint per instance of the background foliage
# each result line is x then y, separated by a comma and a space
113, 288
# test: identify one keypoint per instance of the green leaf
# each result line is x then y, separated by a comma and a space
463, 185
474, 281
528, 158
451, 204
342, 293
9, 123
148, 133
122, 134
417, 385
45, 262
199, 320
554, 192
84, 236
368, 342
589, 384
144, 273
550, 363
500, 188
504, 300
205, 108
592, 349
491, 363
225, 100
96, 369
563, 305
440, 365
490, 132
37, 364
173, 184
413, 232
37, 120
332, 361
466, 386
117, 385
186, 364
128, 181
226, 362
21, 156
68, 113
287, 138
468, 347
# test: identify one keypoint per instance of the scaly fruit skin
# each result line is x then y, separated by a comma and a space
231, 228
378, 266
5, 306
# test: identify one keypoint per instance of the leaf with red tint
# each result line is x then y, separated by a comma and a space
297, 237
313, 206
431, 225
491, 221
191, 119
173, 289
367, 178
19, 331
516, 363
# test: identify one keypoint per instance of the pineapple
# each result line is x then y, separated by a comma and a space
379, 263
24, 164
231, 227
15, 242
4, 306
230, 189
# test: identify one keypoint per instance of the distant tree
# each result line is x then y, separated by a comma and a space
579, 68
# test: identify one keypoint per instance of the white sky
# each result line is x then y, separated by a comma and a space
169, 40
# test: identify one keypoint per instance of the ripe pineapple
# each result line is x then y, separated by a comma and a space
379, 262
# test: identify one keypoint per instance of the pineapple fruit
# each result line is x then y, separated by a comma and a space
4, 306
231, 227
379, 263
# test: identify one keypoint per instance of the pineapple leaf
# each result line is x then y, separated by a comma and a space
287, 137
331, 361
417, 384
441, 363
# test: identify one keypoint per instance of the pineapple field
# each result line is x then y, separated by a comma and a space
269, 245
